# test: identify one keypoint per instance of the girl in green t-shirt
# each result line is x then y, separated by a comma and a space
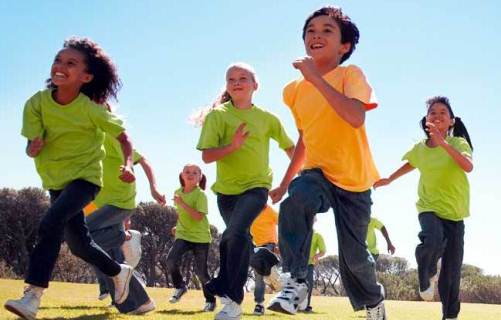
192, 232
64, 125
443, 159
236, 135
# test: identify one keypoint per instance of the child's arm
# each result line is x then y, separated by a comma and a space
351, 110
294, 167
406, 168
290, 152
391, 248
215, 154
192, 212
126, 169
463, 161
148, 170
317, 257
34, 147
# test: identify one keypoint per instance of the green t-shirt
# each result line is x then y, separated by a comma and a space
371, 235
73, 136
188, 228
114, 191
443, 185
317, 245
248, 167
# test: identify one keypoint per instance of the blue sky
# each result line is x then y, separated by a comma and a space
172, 58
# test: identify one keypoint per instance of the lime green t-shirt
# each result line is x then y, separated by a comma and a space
188, 228
443, 185
73, 136
248, 167
371, 235
114, 191
317, 245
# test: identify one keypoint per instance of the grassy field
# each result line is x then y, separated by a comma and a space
79, 301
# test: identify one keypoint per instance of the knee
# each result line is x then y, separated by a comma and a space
432, 241
171, 264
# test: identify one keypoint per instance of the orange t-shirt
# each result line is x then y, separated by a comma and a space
264, 228
332, 144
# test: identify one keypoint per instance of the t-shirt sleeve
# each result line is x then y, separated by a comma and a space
202, 203
377, 224
461, 145
32, 118
356, 86
279, 135
106, 121
289, 96
321, 244
412, 157
211, 135
136, 156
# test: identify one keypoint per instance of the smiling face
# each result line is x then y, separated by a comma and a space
191, 176
240, 83
439, 115
69, 69
322, 40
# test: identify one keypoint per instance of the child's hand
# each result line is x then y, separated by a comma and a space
435, 134
34, 147
277, 194
307, 68
127, 174
381, 183
239, 137
178, 200
159, 198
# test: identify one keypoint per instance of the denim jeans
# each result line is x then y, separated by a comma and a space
309, 282
65, 219
200, 252
312, 193
259, 285
444, 239
107, 229
238, 212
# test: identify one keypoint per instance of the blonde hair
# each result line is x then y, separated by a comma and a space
197, 118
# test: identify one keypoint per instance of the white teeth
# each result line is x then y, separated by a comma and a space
59, 74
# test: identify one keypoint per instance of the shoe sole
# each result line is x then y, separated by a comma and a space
277, 307
125, 295
20, 313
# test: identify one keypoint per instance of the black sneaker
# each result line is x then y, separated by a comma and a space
209, 307
259, 310
178, 293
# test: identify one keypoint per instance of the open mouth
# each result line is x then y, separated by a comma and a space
316, 46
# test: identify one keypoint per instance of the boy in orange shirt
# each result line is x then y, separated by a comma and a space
329, 105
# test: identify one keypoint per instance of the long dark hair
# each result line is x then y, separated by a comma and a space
105, 83
458, 129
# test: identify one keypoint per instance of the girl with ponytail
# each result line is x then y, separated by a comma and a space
443, 159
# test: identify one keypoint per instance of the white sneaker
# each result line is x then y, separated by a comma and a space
429, 294
377, 313
145, 308
27, 306
121, 282
303, 305
231, 310
132, 249
103, 295
291, 296
178, 293
273, 280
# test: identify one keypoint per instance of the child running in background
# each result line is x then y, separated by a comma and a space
192, 232
443, 159
236, 135
337, 170
65, 126
374, 225
115, 204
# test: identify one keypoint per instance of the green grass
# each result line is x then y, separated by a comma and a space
79, 301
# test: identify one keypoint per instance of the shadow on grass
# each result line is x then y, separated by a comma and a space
101, 313
179, 312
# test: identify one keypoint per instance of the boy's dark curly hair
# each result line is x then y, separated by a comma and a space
105, 82
349, 31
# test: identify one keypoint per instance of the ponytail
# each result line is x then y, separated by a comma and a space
459, 130
203, 182
197, 118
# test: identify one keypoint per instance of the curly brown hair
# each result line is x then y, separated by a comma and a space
105, 83
349, 30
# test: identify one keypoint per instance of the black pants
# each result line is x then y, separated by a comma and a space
200, 252
238, 212
65, 218
444, 239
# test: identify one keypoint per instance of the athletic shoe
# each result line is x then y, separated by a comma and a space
231, 310
178, 293
377, 313
145, 308
291, 296
209, 307
121, 282
27, 306
103, 295
429, 293
132, 249
259, 310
